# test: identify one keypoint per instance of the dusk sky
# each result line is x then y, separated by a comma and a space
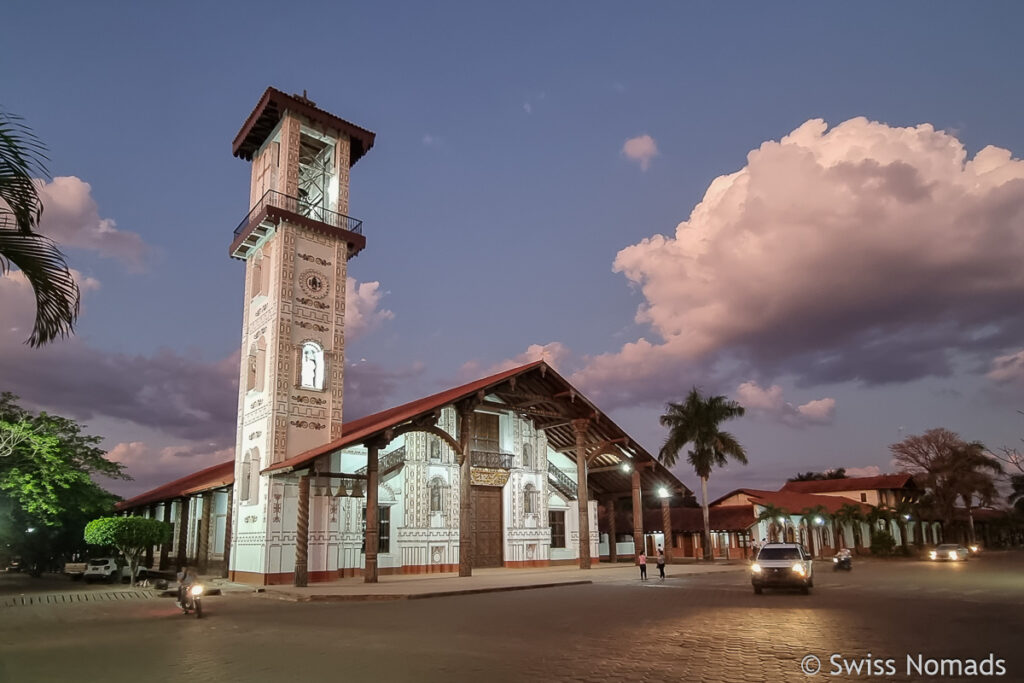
815, 209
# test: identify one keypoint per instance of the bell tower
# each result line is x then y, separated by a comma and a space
296, 242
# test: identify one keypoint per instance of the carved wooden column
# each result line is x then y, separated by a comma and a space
226, 571
149, 548
465, 492
302, 534
666, 526
579, 427
165, 549
638, 515
183, 533
372, 510
203, 541
613, 551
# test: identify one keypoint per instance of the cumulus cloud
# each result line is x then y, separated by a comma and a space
151, 466
361, 307
869, 471
864, 252
71, 218
770, 402
640, 149
1008, 369
555, 353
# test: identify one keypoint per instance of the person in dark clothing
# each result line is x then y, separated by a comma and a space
661, 563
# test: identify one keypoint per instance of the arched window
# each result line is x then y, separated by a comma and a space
435, 448
243, 481
527, 456
436, 495
529, 500
312, 366
257, 365
254, 476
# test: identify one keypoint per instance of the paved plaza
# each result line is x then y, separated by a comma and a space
692, 626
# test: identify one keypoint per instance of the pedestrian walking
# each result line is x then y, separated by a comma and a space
661, 563
641, 560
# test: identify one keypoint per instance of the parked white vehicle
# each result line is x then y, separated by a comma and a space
106, 569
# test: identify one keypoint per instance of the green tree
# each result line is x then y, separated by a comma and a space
22, 158
130, 536
849, 515
907, 512
772, 514
838, 473
46, 484
696, 420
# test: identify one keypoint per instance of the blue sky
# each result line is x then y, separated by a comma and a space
498, 196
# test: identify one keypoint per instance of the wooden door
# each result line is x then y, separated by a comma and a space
487, 527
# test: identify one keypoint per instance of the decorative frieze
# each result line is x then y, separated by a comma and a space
480, 476
312, 326
310, 400
312, 303
307, 424
314, 259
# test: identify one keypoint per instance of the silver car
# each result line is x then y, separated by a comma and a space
949, 552
782, 565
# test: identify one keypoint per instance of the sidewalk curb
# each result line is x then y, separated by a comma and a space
374, 597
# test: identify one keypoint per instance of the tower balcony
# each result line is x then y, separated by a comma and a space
274, 207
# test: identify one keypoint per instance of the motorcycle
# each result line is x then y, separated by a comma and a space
842, 560
193, 600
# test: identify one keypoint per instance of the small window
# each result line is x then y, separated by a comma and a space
863, 497
383, 530
529, 500
556, 520
435, 449
527, 456
243, 484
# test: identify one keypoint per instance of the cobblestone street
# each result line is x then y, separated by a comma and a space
708, 627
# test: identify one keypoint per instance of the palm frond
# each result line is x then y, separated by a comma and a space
22, 157
56, 292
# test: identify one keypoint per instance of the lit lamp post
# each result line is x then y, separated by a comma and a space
782, 527
819, 522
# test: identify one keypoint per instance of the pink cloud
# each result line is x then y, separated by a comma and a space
150, 466
362, 312
770, 402
555, 353
1008, 369
640, 149
869, 471
71, 218
864, 252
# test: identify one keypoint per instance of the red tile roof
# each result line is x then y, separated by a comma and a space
358, 430
883, 481
794, 502
210, 478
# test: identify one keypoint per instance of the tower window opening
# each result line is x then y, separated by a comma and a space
312, 366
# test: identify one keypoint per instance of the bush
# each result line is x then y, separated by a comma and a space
882, 543
129, 535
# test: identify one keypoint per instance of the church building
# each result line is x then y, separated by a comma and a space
487, 474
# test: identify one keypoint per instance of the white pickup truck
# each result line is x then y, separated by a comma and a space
76, 570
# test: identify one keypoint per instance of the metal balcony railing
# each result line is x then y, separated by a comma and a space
494, 459
299, 207
387, 462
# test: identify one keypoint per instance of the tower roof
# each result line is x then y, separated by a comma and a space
271, 109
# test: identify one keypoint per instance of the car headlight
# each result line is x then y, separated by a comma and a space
953, 555
197, 590
974, 548
756, 568
799, 569
933, 555
835, 559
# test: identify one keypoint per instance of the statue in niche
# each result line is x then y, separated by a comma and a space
312, 366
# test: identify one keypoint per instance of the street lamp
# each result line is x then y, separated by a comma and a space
819, 521
30, 530
663, 492
626, 467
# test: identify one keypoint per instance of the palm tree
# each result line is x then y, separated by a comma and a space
696, 421
974, 479
772, 514
813, 518
36, 256
906, 512
850, 514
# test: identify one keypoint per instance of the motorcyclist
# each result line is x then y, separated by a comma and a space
187, 577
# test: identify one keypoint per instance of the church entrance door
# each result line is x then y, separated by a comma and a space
487, 527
